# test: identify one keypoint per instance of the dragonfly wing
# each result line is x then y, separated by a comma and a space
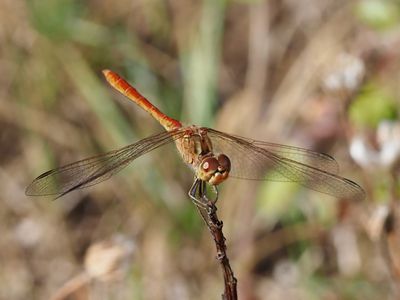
312, 158
319, 180
256, 160
256, 157
96, 169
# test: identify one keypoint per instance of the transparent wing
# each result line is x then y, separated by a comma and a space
257, 160
95, 169
253, 168
305, 156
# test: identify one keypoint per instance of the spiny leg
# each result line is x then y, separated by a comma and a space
199, 200
209, 204
198, 194
197, 188
215, 189
204, 193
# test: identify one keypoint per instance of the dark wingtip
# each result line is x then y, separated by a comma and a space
359, 192
43, 175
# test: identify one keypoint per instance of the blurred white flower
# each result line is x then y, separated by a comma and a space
346, 74
386, 156
286, 273
110, 259
29, 232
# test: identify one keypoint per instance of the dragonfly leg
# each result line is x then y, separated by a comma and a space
209, 204
196, 193
203, 193
215, 189
197, 189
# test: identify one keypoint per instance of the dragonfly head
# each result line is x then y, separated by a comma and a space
214, 169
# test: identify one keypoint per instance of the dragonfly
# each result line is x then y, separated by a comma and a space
214, 156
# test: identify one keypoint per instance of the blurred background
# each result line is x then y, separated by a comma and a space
319, 74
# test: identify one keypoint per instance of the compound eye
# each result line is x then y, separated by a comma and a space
224, 162
209, 164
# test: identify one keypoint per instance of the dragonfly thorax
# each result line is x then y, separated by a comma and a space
197, 151
194, 145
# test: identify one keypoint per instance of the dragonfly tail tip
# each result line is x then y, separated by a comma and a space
106, 72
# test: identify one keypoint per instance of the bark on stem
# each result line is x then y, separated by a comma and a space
209, 215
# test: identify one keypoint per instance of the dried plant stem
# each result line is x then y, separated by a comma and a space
215, 227
70, 289
209, 215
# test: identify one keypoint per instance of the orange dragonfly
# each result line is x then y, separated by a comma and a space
213, 156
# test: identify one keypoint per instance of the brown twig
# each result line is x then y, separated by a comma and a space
209, 215
78, 284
